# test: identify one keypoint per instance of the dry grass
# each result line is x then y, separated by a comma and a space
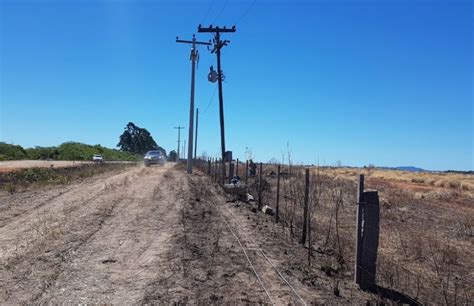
426, 229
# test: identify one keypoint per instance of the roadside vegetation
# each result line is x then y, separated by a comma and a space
39, 177
65, 151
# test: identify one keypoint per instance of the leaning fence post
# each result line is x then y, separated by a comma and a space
305, 212
260, 187
360, 203
277, 212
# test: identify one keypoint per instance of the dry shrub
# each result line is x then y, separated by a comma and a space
418, 180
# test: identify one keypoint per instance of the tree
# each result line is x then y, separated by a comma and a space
137, 140
173, 155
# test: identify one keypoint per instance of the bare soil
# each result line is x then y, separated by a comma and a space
148, 235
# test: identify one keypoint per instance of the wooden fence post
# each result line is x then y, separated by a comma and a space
305, 211
277, 212
260, 188
208, 166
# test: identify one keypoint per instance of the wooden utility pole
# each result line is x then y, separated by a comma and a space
194, 56
196, 138
218, 44
179, 128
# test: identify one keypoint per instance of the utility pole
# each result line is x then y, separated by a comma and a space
218, 44
194, 57
179, 128
196, 138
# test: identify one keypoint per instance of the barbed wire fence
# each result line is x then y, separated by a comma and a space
333, 226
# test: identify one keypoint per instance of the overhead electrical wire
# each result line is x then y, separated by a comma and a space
208, 11
220, 13
245, 13
210, 101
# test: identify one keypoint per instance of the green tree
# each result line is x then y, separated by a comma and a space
137, 140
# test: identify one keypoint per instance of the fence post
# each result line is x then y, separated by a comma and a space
260, 187
237, 168
246, 172
231, 171
360, 204
277, 212
305, 212
370, 240
208, 166
215, 169
367, 239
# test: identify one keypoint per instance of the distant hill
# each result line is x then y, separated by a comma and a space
409, 168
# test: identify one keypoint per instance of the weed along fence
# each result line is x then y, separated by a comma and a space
345, 227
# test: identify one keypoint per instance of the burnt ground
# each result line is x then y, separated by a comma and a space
151, 235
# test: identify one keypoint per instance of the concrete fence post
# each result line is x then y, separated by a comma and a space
367, 240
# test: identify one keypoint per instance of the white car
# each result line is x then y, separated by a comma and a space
97, 158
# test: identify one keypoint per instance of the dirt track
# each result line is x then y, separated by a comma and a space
144, 235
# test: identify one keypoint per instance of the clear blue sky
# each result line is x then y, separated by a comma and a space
382, 82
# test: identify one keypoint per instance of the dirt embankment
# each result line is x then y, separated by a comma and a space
147, 235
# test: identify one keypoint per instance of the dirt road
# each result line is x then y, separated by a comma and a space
143, 235
128, 238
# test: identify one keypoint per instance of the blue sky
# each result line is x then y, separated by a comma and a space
383, 82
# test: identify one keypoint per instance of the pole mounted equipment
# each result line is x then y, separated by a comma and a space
193, 57
218, 45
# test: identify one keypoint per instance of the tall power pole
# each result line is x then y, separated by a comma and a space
218, 44
194, 56
196, 138
179, 128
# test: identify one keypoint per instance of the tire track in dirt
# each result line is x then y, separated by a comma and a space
28, 271
125, 254
16, 205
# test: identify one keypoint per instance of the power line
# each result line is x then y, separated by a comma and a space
220, 13
245, 12
208, 11
210, 101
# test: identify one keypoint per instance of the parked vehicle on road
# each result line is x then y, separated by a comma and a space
154, 157
97, 158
